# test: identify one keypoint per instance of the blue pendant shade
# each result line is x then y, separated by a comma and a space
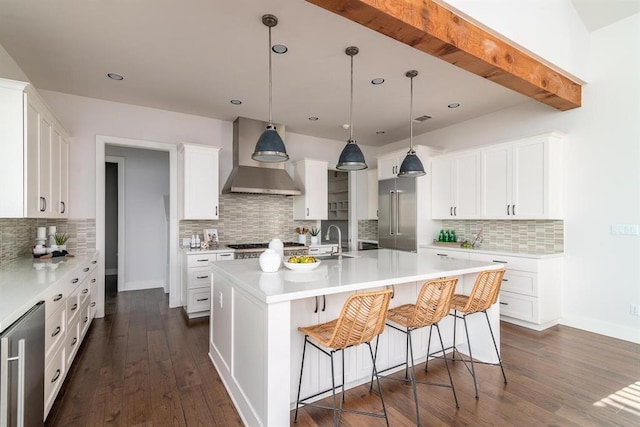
270, 147
411, 166
351, 158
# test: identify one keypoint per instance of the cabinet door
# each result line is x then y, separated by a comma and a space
465, 192
441, 185
44, 178
496, 182
372, 194
529, 175
32, 190
55, 173
63, 199
311, 177
388, 167
200, 182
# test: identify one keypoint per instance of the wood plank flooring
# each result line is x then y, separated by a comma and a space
146, 365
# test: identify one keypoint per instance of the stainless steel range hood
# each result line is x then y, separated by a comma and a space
249, 176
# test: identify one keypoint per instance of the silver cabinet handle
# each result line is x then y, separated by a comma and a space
76, 280
64, 207
93, 280
391, 219
324, 302
202, 260
56, 331
307, 211
57, 298
508, 206
216, 210
202, 299
513, 209
316, 309
74, 307
75, 340
501, 262
93, 304
4, 381
504, 303
85, 319
455, 211
94, 262
442, 254
201, 277
43, 204
56, 376
84, 291
85, 269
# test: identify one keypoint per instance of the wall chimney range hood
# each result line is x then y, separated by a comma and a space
250, 176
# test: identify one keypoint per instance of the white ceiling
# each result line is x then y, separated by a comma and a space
194, 56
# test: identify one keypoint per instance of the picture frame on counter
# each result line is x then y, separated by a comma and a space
211, 235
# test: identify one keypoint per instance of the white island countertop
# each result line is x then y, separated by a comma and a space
24, 281
368, 269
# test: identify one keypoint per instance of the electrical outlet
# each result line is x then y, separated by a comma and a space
635, 309
625, 229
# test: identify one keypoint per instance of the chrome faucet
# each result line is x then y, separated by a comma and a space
339, 252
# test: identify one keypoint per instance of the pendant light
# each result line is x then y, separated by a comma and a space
411, 165
270, 147
351, 158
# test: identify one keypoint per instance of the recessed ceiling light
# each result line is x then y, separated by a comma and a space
279, 49
453, 105
422, 118
115, 76
235, 102
313, 118
377, 81
379, 132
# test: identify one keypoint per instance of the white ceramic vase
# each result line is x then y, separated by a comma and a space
302, 238
314, 240
270, 261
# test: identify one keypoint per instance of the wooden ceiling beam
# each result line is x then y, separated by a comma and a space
431, 28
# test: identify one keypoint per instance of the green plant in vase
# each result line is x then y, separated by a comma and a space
315, 232
61, 240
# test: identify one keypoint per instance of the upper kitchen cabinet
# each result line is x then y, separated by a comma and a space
198, 181
389, 164
338, 195
523, 179
36, 153
367, 194
456, 186
311, 178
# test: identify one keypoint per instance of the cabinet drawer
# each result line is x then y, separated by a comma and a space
200, 260
510, 263
519, 306
85, 319
520, 282
80, 275
55, 330
73, 305
53, 378
200, 278
199, 300
443, 252
55, 298
225, 256
72, 342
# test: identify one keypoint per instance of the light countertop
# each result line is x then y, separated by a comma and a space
24, 282
532, 253
369, 269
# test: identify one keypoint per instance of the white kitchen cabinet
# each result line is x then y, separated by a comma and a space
36, 150
523, 179
389, 164
196, 281
367, 194
455, 185
310, 177
198, 181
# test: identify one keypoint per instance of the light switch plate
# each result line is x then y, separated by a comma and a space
625, 229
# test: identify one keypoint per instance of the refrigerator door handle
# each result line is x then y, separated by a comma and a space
397, 212
391, 211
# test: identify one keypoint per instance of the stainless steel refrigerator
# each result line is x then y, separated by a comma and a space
397, 227
22, 370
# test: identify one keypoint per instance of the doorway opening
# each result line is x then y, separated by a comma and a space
114, 225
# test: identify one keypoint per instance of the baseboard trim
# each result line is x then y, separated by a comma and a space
612, 330
141, 285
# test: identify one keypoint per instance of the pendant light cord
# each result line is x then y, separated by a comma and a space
351, 105
270, 80
411, 118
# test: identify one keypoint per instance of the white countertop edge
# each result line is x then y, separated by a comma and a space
487, 251
219, 249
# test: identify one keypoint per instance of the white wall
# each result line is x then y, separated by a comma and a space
602, 179
146, 183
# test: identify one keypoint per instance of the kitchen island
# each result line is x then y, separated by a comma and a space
254, 342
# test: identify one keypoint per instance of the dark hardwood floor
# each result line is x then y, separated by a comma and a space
146, 365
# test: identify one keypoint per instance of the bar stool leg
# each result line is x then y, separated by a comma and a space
453, 353
426, 363
447, 366
473, 371
304, 349
336, 416
496, 347
375, 372
375, 356
413, 376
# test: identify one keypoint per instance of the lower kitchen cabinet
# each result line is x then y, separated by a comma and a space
531, 292
196, 280
68, 316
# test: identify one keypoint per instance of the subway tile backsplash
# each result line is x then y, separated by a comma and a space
535, 236
250, 218
368, 229
17, 236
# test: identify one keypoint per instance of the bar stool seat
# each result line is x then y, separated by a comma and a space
484, 294
433, 304
361, 320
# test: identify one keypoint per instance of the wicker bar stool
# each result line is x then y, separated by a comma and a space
483, 295
361, 320
431, 306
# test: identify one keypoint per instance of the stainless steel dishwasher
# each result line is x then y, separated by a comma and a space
22, 370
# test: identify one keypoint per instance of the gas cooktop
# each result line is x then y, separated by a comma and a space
243, 246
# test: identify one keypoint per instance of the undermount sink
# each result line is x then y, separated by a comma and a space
344, 256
